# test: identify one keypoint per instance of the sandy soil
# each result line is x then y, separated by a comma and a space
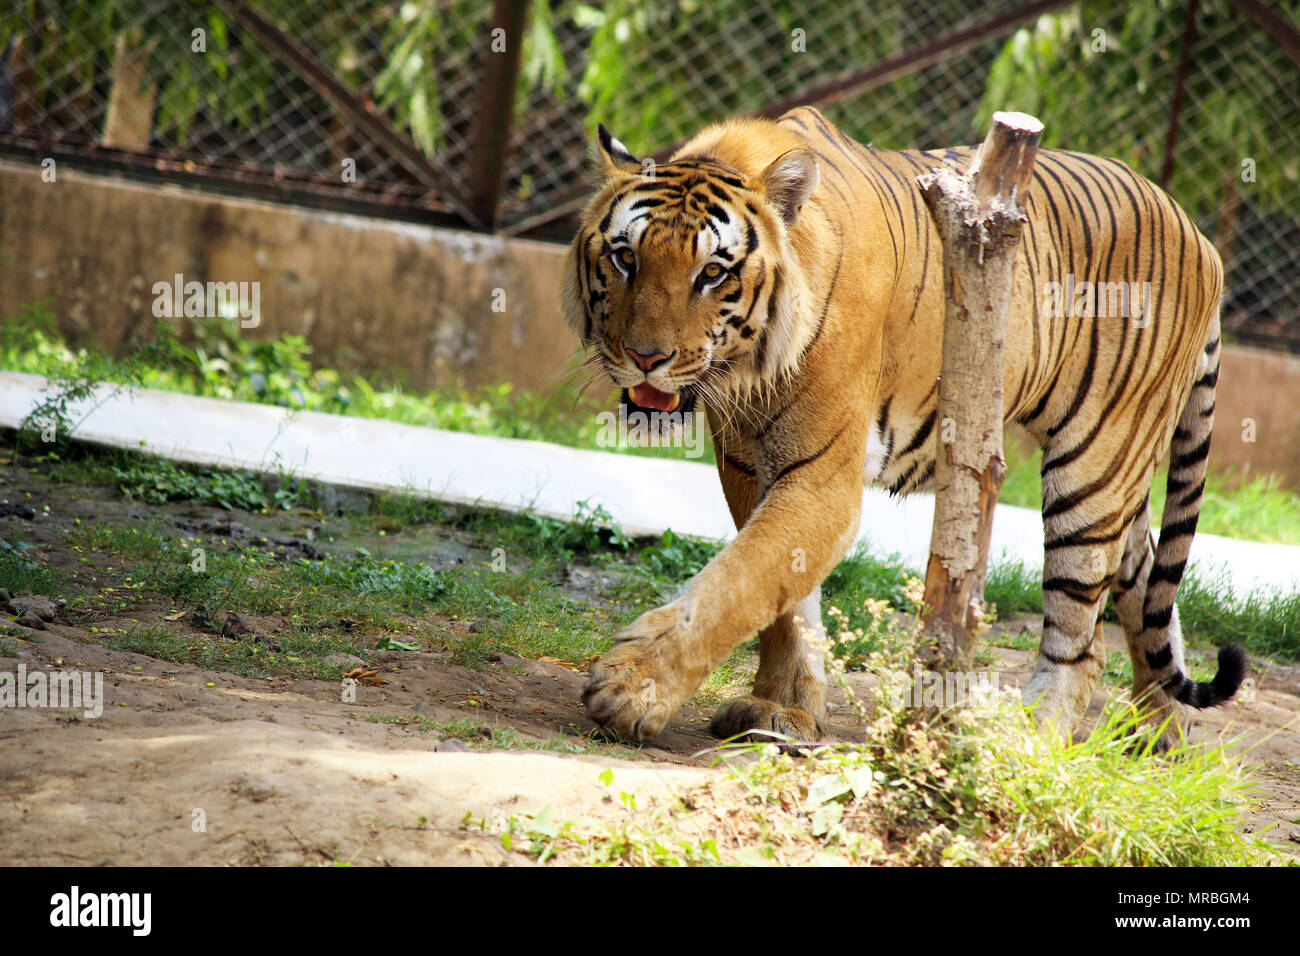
290, 774
188, 766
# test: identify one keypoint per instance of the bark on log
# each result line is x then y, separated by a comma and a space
979, 221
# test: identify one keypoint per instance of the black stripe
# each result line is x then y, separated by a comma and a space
898, 487
1173, 573
804, 461
1076, 591
1192, 496
740, 466
921, 435
1157, 620
1159, 660
1079, 658
1193, 456
1177, 529
1077, 539
1128, 584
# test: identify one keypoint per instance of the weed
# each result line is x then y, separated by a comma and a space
21, 570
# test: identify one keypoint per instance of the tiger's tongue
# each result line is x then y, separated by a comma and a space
647, 396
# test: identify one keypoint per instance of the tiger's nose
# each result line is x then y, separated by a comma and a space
647, 360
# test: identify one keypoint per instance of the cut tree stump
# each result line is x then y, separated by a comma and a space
979, 220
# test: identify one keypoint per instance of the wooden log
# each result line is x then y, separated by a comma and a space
979, 219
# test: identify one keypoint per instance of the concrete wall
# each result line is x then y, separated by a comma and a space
1257, 413
367, 293
370, 294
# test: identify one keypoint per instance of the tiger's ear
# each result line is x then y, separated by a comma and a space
615, 160
790, 180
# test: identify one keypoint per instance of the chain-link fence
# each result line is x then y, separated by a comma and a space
470, 112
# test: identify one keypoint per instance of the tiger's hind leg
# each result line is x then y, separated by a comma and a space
1083, 546
789, 696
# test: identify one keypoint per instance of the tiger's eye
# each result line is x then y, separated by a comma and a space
713, 270
626, 257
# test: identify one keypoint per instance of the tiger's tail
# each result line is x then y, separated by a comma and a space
1162, 641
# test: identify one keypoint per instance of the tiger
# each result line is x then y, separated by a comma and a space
786, 281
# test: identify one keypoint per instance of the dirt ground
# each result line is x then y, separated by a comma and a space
190, 766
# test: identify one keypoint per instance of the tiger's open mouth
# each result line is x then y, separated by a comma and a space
646, 398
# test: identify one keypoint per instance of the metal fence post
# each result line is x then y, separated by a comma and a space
1180, 85
496, 109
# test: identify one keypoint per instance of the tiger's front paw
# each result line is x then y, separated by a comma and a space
643, 679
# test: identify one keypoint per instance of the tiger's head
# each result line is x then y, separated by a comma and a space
681, 281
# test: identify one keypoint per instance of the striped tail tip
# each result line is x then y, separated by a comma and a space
1227, 681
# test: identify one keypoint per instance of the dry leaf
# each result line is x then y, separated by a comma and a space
545, 659
363, 676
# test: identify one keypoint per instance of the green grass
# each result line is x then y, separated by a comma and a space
157, 481
340, 602
523, 611
20, 570
1266, 622
320, 607
1013, 589
217, 360
1009, 587
987, 791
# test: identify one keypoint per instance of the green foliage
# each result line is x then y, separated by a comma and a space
411, 57
861, 575
157, 481
312, 593
675, 558
591, 530
30, 339
418, 41
1057, 71
368, 574
219, 361
1237, 505
992, 790
633, 38
1012, 588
